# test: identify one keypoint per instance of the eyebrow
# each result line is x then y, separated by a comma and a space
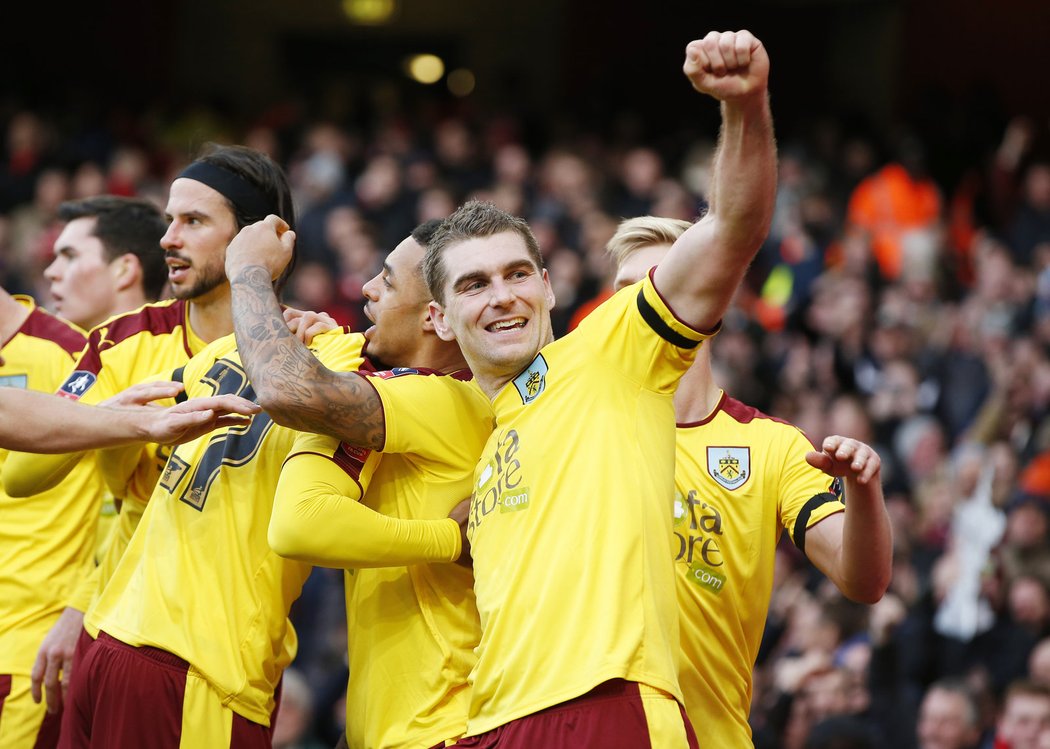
194, 213
482, 275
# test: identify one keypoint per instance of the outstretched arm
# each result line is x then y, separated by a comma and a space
317, 517
703, 269
854, 549
41, 422
290, 383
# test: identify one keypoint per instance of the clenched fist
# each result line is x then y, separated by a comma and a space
728, 65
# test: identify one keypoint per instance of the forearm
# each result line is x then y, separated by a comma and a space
317, 518
44, 423
296, 389
744, 175
26, 474
724, 242
867, 543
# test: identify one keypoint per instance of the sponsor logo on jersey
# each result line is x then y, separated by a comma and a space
499, 484
533, 380
515, 502
698, 533
706, 578
19, 381
77, 384
729, 466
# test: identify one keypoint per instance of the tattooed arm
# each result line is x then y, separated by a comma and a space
291, 384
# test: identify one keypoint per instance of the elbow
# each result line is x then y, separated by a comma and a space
275, 404
283, 542
287, 541
268, 397
870, 589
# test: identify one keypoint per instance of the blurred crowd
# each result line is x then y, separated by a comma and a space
897, 300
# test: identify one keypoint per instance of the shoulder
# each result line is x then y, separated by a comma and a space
340, 343
156, 318
44, 325
442, 389
758, 423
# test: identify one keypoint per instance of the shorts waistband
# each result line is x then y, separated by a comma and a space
147, 651
611, 689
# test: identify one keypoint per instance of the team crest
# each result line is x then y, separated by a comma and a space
729, 466
19, 381
533, 380
76, 385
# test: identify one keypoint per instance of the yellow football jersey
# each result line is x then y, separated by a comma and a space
198, 578
120, 352
572, 512
47, 540
412, 630
741, 478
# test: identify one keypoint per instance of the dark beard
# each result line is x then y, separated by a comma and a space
204, 284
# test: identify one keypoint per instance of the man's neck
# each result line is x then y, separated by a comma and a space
127, 301
697, 395
123, 303
436, 355
211, 316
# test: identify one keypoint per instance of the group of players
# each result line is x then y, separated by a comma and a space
534, 554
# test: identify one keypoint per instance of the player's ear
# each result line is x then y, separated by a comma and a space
548, 290
126, 270
427, 320
441, 326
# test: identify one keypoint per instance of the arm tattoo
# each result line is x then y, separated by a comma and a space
293, 386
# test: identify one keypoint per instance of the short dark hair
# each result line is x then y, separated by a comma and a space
475, 218
126, 225
424, 233
263, 173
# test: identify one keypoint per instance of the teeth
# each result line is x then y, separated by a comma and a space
507, 324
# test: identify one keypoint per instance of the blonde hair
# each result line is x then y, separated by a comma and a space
634, 234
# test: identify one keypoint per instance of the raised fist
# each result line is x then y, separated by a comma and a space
727, 65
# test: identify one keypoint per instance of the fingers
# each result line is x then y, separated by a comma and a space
721, 52
52, 692
696, 59
278, 224
231, 421
221, 404
36, 676
728, 65
197, 416
820, 461
322, 324
306, 325
67, 673
851, 458
145, 393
